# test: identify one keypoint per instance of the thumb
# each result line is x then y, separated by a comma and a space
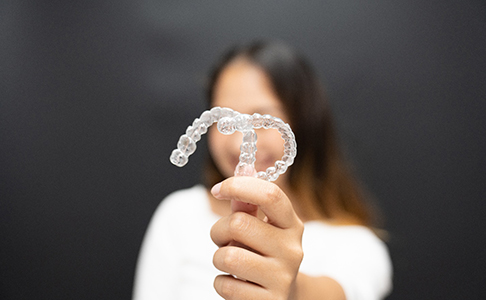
248, 208
251, 209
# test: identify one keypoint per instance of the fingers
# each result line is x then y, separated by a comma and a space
248, 208
255, 277
268, 196
245, 265
248, 230
232, 288
264, 256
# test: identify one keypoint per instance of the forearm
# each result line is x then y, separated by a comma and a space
318, 288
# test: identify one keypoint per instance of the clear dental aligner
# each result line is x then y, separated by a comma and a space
229, 121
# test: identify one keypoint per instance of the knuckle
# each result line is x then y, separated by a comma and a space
224, 287
231, 258
213, 233
227, 289
238, 224
273, 194
299, 227
295, 254
298, 254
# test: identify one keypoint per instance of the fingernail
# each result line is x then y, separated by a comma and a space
215, 190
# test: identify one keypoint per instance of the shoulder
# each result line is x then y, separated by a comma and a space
183, 198
181, 201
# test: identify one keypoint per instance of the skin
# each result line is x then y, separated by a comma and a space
260, 233
247, 90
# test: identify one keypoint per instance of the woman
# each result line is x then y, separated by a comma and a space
305, 237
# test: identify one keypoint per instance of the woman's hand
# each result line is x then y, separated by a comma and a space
262, 255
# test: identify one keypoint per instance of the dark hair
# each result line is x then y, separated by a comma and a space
320, 177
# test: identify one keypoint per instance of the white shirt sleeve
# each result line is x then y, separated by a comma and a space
352, 255
158, 258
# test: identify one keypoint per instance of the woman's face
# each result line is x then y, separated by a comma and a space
245, 88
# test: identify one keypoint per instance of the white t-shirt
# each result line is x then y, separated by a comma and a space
176, 257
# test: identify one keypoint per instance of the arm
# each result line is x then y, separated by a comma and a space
263, 255
316, 288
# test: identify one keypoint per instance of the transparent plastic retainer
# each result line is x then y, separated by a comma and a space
230, 121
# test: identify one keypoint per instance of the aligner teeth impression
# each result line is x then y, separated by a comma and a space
230, 121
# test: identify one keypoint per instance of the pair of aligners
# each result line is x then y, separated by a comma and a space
228, 121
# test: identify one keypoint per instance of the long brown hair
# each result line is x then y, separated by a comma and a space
320, 176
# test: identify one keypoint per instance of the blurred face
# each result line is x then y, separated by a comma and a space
245, 88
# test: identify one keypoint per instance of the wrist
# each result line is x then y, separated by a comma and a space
314, 288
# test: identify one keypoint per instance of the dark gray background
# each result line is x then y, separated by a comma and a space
94, 95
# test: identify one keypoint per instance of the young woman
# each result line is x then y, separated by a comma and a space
306, 236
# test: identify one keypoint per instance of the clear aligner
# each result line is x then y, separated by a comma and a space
228, 121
